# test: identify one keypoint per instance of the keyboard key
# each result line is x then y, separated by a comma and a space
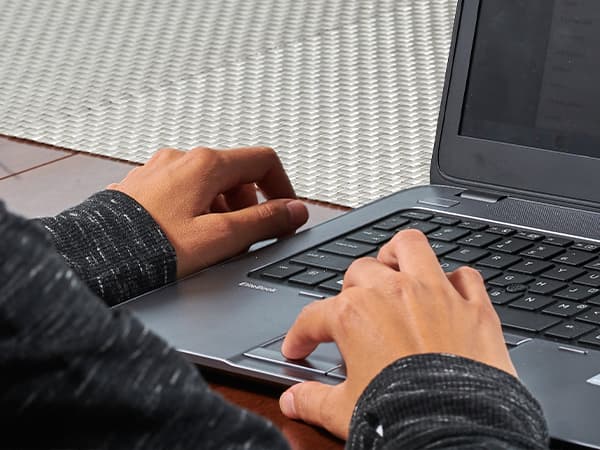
577, 293
565, 309
467, 255
373, 254
446, 221
323, 261
532, 302
559, 242
347, 248
574, 258
442, 248
594, 265
312, 277
591, 339
502, 231
499, 261
450, 266
584, 246
479, 240
529, 236
542, 251
592, 315
531, 267
471, 225
281, 271
418, 215
563, 273
591, 279
525, 320
335, 284
500, 296
511, 245
448, 234
391, 223
488, 274
569, 330
594, 300
423, 227
545, 287
511, 278
370, 236
516, 287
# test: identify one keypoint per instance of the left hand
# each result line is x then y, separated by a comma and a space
205, 201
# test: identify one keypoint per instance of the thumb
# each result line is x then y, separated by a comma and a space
312, 402
273, 218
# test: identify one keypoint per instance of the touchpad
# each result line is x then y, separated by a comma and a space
325, 358
566, 382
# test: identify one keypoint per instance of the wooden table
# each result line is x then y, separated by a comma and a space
38, 180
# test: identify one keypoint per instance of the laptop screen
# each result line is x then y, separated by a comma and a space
534, 77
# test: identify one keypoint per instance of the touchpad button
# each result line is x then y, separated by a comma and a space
325, 358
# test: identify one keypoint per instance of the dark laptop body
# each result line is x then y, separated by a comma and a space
514, 180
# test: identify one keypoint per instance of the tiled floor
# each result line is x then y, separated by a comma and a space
16, 156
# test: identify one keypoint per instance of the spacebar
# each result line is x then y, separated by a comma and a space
525, 320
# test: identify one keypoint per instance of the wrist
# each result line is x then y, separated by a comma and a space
424, 397
114, 245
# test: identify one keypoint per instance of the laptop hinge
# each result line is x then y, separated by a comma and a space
480, 196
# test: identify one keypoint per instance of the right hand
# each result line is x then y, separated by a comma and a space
397, 305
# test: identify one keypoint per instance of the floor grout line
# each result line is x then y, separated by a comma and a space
16, 174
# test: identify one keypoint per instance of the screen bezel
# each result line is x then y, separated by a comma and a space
472, 162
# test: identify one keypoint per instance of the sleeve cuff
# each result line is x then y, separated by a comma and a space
114, 245
436, 399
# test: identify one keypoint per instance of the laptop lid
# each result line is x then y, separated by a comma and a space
521, 106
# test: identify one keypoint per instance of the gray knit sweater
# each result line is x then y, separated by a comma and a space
76, 374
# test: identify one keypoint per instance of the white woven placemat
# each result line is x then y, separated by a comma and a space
347, 91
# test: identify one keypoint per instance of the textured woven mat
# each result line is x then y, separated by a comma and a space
347, 91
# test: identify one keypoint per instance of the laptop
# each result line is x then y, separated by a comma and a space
515, 193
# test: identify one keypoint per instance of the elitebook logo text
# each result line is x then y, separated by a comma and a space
257, 287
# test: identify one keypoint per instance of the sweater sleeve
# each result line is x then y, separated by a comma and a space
76, 374
114, 245
444, 401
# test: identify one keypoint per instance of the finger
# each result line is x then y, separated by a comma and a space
237, 230
273, 218
367, 273
219, 205
410, 252
469, 283
316, 403
241, 197
259, 165
312, 327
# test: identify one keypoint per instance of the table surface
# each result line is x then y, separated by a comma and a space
38, 180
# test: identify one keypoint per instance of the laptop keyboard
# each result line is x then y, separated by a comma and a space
540, 285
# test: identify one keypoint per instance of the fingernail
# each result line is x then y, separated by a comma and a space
298, 212
286, 403
283, 347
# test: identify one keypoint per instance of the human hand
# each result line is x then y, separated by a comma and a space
397, 305
205, 201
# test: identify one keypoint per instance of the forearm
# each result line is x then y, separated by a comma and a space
90, 377
113, 245
440, 401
